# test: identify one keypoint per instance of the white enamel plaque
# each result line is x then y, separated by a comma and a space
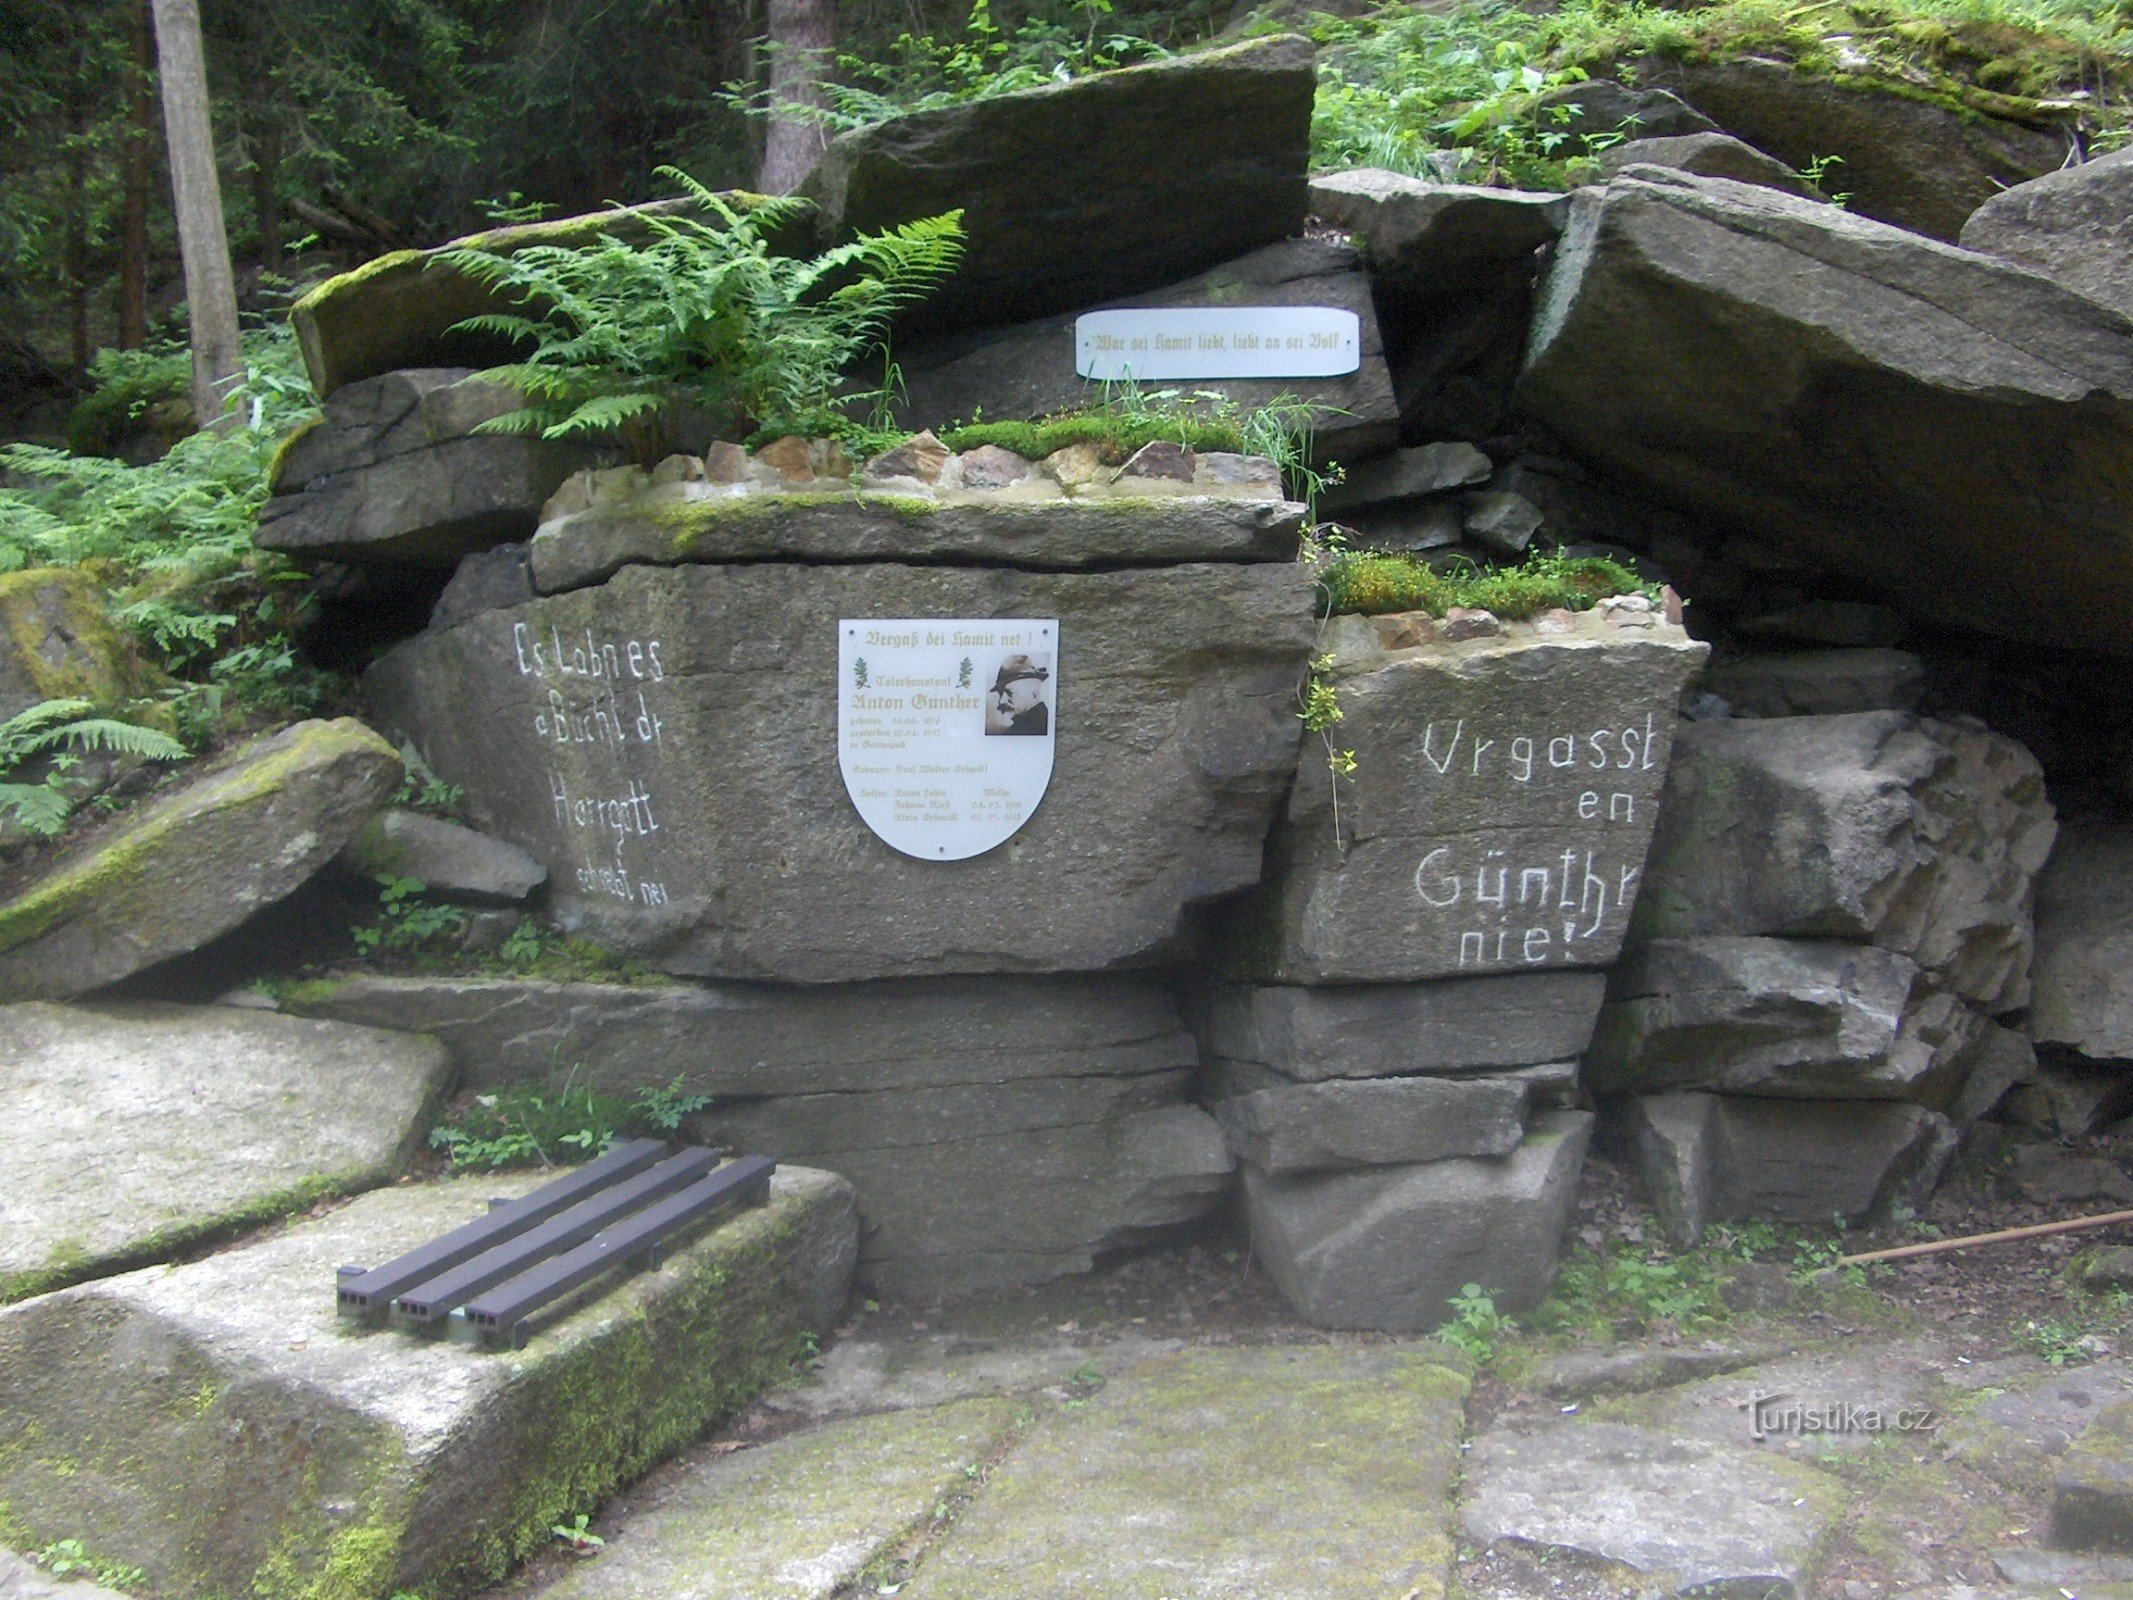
945, 728
1218, 342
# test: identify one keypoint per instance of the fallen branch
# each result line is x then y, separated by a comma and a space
1936, 1246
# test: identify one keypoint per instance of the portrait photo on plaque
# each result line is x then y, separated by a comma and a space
1019, 698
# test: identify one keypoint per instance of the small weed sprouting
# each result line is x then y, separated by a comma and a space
530, 1126
577, 1537
2059, 1342
66, 1558
406, 922
1477, 1327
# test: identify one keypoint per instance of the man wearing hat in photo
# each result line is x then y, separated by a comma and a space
1018, 699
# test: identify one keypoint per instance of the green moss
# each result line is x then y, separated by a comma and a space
1370, 585
36, 603
129, 858
75, 1265
1116, 438
281, 454
337, 287
690, 522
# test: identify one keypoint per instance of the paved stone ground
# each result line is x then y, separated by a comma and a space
1164, 1430
1721, 1423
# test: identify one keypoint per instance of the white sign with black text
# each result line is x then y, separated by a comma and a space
1159, 344
945, 727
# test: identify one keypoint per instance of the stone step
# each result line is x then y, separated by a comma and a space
216, 1424
136, 1129
1274, 1473
796, 1519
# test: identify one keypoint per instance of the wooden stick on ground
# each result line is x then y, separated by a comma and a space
1935, 1246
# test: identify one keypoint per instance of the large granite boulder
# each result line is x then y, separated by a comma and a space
1798, 1018
678, 524
1907, 158
997, 1129
1169, 168
225, 1395
2083, 973
1922, 837
666, 745
1940, 427
1357, 1030
1704, 1158
403, 309
180, 870
136, 1129
1376, 1122
395, 472
57, 642
1388, 1248
1504, 791
1425, 239
2074, 225
1028, 370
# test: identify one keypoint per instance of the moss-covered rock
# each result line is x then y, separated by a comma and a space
57, 642
215, 1425
183, 869
400, 310
801, 1518
1276, 1472
670, 527
216, 1117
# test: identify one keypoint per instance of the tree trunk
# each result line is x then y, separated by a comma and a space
210, 289
134, 163
803, 37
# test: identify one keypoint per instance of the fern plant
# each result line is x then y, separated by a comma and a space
61, 729
703, 314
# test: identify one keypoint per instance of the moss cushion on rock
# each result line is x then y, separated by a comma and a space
170, 876
57, 642
217, 1426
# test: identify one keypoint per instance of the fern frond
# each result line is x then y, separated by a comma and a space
38, 808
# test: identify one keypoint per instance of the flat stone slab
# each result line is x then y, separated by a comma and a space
1281, 1473
180, 870
1388, 1248
796, 1519
666, 745
1393, 1029
860, 1376
2072, 225
1682, 1511
1841, 1402
2092, 1496
1505, 789
134, 1129
446, 858
683, 523
217, 1425
1312, 1127
2017, 1435
752, 1042
1635, 1369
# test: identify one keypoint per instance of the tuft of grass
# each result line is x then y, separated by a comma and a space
1370, 584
